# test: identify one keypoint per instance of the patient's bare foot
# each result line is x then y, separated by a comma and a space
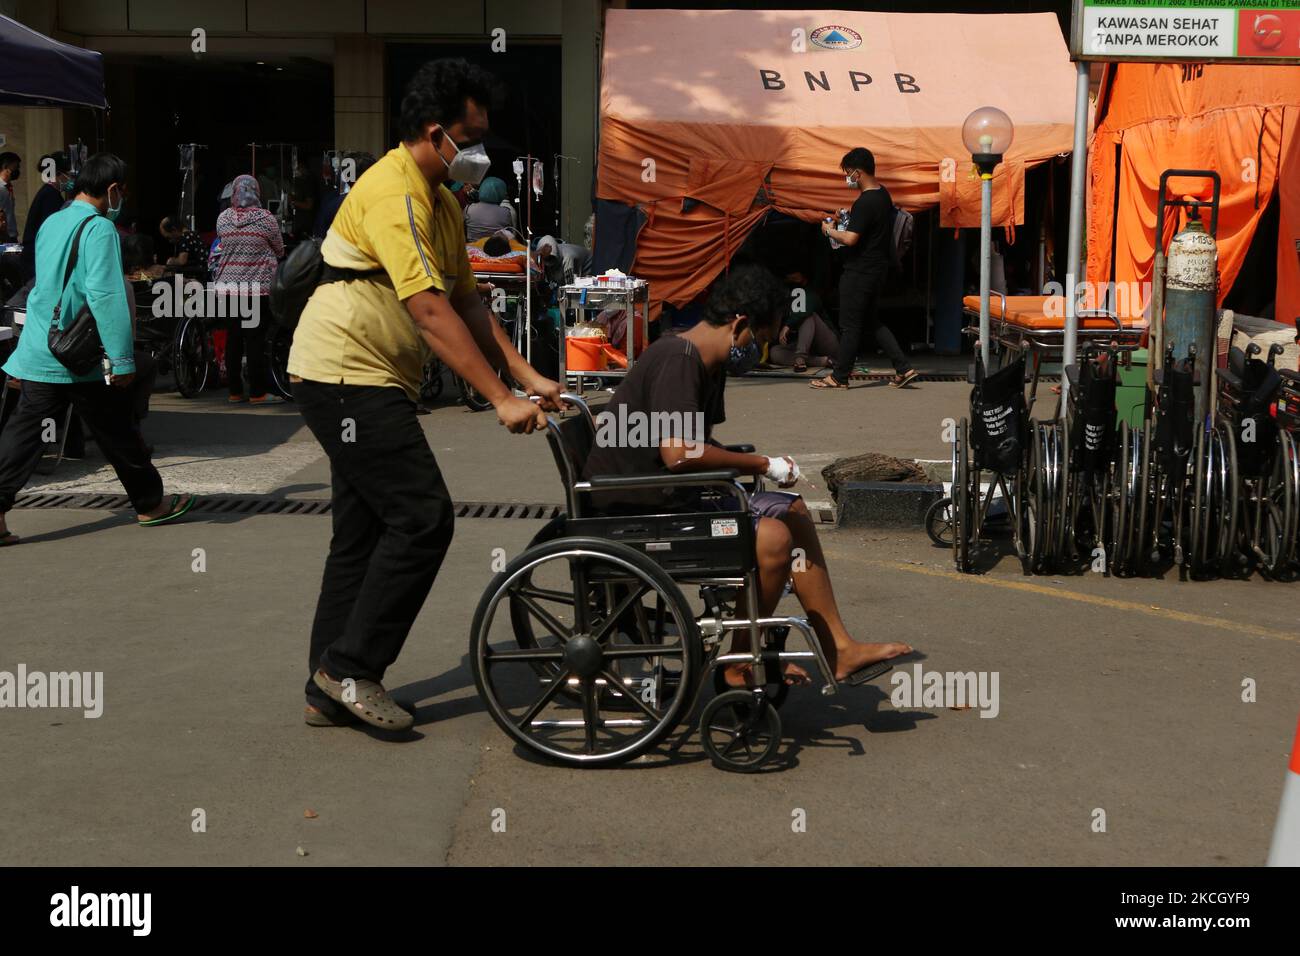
859, 655
737, 675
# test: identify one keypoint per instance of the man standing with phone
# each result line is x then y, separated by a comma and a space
357, 364
868, 241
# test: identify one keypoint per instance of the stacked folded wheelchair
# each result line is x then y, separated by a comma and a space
1211, 495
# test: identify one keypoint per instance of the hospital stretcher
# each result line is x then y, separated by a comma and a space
1020, 325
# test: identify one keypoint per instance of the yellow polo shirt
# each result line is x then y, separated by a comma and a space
359, 332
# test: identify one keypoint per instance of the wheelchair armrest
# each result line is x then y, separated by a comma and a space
1230, 377
740, 449
611, 482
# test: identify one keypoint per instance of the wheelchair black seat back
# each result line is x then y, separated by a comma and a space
1175, 412
999, 417
1092, 411
716, 541
1247, 389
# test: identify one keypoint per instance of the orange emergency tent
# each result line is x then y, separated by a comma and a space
749, 111
1237, 120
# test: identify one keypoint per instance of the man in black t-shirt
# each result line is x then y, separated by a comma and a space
660, 420
868, 249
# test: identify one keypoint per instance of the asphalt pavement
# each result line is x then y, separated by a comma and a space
1121, 735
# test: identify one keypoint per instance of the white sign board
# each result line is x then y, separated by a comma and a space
1197, 31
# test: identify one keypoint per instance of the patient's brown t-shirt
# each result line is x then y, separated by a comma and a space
668, 393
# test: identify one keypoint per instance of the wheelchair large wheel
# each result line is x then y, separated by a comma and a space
1034, 502
1283, 489
279, 340
1144, 530
522, 619
1126, 543
1228, 548
740, 731
583, 647
431, 382
963, 523
1044, 498
1063, 548
191, 357
1198, 517
1120, 502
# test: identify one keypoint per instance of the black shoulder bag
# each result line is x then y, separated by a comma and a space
297, 277
78, 347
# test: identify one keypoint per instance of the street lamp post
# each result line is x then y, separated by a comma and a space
987, 133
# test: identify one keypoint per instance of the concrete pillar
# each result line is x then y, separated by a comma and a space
581, 26
360, 110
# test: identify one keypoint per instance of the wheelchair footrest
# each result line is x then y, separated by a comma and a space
868, 673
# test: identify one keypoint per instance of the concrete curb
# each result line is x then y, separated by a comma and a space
885, 504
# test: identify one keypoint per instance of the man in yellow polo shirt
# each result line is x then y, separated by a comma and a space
358, 355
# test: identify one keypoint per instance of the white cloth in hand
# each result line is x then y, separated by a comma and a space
784, 471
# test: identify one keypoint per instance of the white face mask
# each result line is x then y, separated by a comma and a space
470, 165
849, 180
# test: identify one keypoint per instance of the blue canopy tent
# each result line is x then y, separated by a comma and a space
38, 71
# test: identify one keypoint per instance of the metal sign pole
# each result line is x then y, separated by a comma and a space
1078, 193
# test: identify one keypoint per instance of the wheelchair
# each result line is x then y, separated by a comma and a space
585, 649
1180, 503
1288, 423
993, 440
1260, 462
1089, 440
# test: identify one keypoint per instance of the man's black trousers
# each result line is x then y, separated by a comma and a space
393, 523
107, 412
858, 295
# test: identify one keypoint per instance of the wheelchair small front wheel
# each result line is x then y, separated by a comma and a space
775, 687
740, 731
940, 522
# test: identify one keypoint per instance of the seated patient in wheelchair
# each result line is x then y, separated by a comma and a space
661, 418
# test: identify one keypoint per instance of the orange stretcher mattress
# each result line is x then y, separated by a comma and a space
1030, 312
515, 264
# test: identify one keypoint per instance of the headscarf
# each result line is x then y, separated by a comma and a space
245, 193
492, 190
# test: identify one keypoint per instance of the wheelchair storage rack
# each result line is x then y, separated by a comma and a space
1095, 489
585, 648
1195, 472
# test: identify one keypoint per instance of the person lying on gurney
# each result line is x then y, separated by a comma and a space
684, 376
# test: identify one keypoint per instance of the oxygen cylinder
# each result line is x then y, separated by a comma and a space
1191, 281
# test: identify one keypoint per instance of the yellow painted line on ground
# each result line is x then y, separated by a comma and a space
1111, 603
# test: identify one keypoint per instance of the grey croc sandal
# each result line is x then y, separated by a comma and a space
366, 699
315, 717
